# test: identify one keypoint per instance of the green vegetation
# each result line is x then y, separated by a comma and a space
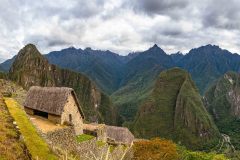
167, 150
185, 154
9, 137
84, 137
175, 111
101, 143
37, 147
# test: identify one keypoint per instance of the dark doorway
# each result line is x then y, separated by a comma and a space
70, 118
40, 113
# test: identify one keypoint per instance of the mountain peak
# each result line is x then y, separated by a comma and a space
29, 50
30, 46
88, 49
155, 48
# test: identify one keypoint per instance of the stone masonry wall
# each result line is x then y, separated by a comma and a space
71, 108
66, 139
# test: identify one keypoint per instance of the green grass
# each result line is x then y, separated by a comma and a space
37, 147
84, 137
101, 143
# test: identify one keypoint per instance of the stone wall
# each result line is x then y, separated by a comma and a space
71, 109
54, 118
66, 139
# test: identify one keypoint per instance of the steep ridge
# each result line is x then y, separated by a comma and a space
223, 102
174, 110
139, 77
31, 68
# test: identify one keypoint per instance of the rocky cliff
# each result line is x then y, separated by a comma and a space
31, 68
223, 102
174, 110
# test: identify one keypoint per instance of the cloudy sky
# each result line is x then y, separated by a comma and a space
121, 26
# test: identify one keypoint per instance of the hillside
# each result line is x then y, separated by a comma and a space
31, 68
174, 110
223, 101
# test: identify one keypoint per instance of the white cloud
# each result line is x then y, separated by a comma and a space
119, 25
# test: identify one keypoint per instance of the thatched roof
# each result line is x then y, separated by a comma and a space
50, 99
119, 134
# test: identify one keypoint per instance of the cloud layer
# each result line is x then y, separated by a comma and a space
122, 26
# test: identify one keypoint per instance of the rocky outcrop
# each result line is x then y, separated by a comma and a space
174, 110
224, 95
31, 68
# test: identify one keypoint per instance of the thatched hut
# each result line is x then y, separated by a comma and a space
58, 104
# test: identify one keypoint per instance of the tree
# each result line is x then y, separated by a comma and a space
155, 149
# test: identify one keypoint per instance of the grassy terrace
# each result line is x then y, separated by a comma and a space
9, 137
35, 144
84, 137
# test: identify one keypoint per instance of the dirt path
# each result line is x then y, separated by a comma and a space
44, 125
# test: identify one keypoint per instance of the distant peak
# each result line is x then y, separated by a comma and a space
179, 53
88, 49
155, 46
72, 47
156, 49
211, 45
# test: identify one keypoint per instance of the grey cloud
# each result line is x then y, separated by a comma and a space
222, 14
152, 7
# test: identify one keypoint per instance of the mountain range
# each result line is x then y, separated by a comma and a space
145, 91
129, 79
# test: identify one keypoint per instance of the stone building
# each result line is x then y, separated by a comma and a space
57, 104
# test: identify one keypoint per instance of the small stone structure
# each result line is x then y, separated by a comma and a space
58, 104
110, 134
